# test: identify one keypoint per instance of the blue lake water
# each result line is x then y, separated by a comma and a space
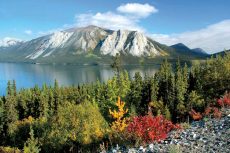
28, 75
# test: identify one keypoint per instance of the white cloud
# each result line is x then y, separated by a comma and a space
127, 17
108, 20
137, 9
213, 38
28, 32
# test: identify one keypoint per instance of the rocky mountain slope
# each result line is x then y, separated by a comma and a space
89, 45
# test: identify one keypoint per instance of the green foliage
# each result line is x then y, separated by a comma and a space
195, 100
9, 150
1, 114
82, 123
185, 125
134, 96
180, 88
214, 76
65, 118
166, 84
167, 113
31, 145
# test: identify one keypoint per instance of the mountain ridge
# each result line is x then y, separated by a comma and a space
91, 43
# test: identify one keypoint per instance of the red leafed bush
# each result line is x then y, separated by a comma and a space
216, 112
149, 129
225, 101
213, 111
207, 111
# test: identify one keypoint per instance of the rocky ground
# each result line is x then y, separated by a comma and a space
212, 137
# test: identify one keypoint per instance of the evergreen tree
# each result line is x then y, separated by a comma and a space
124, 85
166, 84
14, 88
145, 95
56, 95
2, 117
135, 94
11, 112
180, 90
9, 89
31, 145
116, 65
167, 113
195, 101
154, 89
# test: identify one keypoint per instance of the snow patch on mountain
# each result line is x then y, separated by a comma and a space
58, 39
87, 38
128, 42
115, 42
7, 42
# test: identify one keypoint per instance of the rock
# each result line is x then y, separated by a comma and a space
151, 147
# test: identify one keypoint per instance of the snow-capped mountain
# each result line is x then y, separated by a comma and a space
80, 45
75, 41
7, 42
128, 42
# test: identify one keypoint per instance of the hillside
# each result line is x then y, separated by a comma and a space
94, 45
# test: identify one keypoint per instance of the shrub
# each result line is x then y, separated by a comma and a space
195, 115
147, 129
9, 150
225, 101
185, 125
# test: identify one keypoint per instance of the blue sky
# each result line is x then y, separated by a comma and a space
197, 23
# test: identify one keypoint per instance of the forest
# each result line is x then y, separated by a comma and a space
99, 115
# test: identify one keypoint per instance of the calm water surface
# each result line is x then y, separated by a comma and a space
28, 75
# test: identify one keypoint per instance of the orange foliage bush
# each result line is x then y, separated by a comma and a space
195, 115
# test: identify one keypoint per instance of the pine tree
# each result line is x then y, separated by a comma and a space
180, 90
11, 112
135, 94
154, 89
56, 95
14, 88
9, 89
31, 145
166, 84
195, 101
116, 65
124, 85
1, 117
167, 113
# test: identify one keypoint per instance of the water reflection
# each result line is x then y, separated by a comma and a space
27, 75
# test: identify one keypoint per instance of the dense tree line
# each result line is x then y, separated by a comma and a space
55, 119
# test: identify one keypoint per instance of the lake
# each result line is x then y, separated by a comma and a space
28, 75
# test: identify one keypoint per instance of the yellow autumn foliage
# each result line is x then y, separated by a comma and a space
120, 122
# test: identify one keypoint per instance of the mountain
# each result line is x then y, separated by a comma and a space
182, 49
199, 50
91, 45
8, 42
221, 53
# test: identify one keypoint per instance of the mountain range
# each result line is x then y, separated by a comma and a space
94, 45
